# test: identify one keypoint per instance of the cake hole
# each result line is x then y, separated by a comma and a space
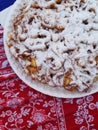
92, 10
17, 50
87, 72
94, 46
76, 7
47, 46
43, 77
91, 62
83, 67
56, 31
51, 75
85, 22
88, 82
85, 85
52, 59
62, 39
41, 36
89, 51
80, 5
30, 20
71, 8
70, 51
82, 42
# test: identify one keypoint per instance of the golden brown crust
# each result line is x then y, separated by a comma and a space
96, 59
33, 68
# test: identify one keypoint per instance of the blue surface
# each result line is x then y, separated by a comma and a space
5, 3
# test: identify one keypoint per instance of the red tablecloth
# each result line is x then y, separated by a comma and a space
23, 108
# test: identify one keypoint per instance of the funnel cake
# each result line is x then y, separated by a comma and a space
56, 42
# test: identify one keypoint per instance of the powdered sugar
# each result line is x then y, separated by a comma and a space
60, 37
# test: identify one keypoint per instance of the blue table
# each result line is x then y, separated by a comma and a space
5, 3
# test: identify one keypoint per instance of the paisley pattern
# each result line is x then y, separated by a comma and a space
23, 108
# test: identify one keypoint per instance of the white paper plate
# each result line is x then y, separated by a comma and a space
57, 92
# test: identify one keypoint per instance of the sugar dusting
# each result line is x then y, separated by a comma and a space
61, 37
